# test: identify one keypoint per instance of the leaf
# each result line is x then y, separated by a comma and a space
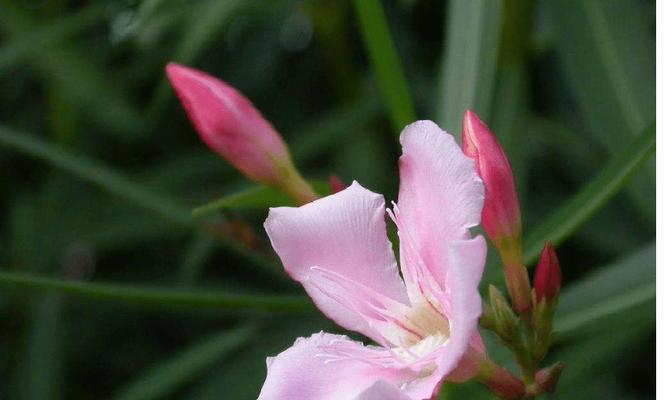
116, 184
76, 77
385, 63
94, 173
578, 209
22, 46
173, 373
621, 286
41, 374
608, 56
259, 196
220, 301
468, 66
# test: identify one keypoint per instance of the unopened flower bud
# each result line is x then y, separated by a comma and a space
506, 322
547, 279
232, 127
501, 218
546, 379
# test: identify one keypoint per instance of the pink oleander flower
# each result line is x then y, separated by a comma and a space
232, 127
425, 323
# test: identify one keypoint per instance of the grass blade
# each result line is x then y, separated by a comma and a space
229, 302
172, 374
469, 61
592, 197
385, 63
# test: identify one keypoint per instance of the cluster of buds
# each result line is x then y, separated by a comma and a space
527, 327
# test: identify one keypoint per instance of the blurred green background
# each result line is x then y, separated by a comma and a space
109, 288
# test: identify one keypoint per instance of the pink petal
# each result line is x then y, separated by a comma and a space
333, 367
325, 367
440, 195
344, 233
382, 390
466, 260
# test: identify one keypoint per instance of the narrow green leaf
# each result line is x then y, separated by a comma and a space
623, 301
385, 63
95, 173
41, 374
194, 259
615, 288
116, 184
469, 61
607, 51
172, 374
22, 46
79, 79
592, 197
258, 196
228, 302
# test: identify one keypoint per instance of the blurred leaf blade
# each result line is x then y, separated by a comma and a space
259, 196
94, 173
468, 65
221, 301
116, 184
608, 57
385, 63
42, 374
594, 195
171, 374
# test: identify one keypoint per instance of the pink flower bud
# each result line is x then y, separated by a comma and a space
547, 277
229, 124
232, 127
501, 218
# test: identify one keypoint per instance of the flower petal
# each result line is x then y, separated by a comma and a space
344, 233
333, 367
466, 259
440, 195
382, 390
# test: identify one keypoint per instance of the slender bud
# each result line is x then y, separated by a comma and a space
232, 127
547, 279
546, 379
500, 381
335, 184
506, 322
501, 218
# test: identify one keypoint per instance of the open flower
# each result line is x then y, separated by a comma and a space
424, 322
